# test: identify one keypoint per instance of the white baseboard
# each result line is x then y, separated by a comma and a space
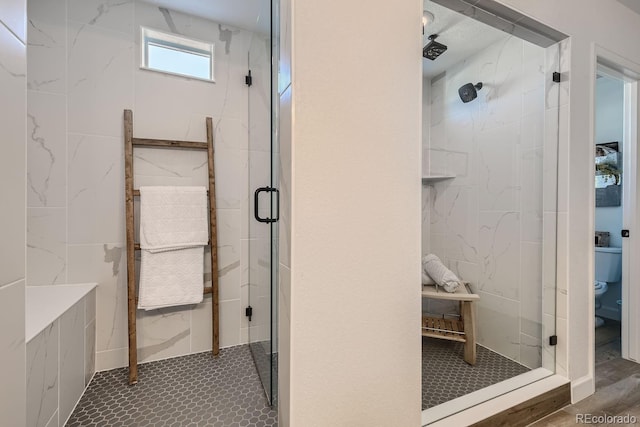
582, 388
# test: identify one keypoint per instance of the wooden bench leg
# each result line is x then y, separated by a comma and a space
469, 332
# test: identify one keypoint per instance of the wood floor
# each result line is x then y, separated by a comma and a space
617, 386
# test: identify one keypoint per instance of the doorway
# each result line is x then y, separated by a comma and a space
616, 181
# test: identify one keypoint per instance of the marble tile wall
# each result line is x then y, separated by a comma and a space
487, 223
12, 184
83, 72
60, 363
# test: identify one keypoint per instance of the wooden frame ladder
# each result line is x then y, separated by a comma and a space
129, 143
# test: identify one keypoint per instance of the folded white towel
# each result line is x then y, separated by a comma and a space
173, 232
173, 217
171, 278
440, 274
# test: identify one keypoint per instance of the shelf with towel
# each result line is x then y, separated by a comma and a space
130, 193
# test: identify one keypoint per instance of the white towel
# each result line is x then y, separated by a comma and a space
173, 232
171, 278
440, 274
173, 217
426, 279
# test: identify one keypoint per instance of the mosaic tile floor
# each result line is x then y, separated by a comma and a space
194, 390
445, 375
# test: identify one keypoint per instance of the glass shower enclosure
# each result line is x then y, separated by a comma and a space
262, 242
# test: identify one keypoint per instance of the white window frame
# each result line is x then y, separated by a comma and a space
178, 43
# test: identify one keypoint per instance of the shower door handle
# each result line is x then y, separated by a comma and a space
256, 201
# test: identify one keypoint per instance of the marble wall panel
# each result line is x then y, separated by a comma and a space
499, 168
530, 351
201, 326
89, 349
106, 265
46, 246
42, 376
532, 194
100, 79
164, 333
229, 253
231, 313
96, 189
530, 285
116, 15
72, 361
12, 354
13, 125
499, 250
47, 46
46, 150
498, 324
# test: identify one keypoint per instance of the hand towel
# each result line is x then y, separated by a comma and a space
173, 233
440, 273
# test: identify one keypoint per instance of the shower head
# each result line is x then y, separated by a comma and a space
433, 49
469, 92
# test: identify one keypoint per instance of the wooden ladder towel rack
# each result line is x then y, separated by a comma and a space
129, 143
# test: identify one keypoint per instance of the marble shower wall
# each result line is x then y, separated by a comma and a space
83, 72
13, 55
487, 223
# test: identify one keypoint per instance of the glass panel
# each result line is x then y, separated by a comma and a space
263, 236
490, 127
176, 61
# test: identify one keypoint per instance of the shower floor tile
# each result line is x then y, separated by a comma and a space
194, 390
445, 374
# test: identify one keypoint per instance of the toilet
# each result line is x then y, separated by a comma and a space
608, 270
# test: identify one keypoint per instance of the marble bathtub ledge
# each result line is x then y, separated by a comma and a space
45, 304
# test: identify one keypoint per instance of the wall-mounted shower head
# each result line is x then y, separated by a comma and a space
433, 49
469, 92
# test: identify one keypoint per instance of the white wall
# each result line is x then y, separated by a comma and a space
83, 72
12, 188
610, 25
487, 223
355, 214
609, 109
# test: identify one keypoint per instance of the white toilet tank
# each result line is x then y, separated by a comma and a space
608, 264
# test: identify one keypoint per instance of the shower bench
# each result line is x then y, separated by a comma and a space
461, 330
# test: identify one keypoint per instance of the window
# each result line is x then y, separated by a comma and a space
169, 53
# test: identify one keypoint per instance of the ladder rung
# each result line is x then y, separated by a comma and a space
136, 246
206, 291
168, 143
137, 193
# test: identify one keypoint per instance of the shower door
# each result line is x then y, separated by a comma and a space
262, 242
